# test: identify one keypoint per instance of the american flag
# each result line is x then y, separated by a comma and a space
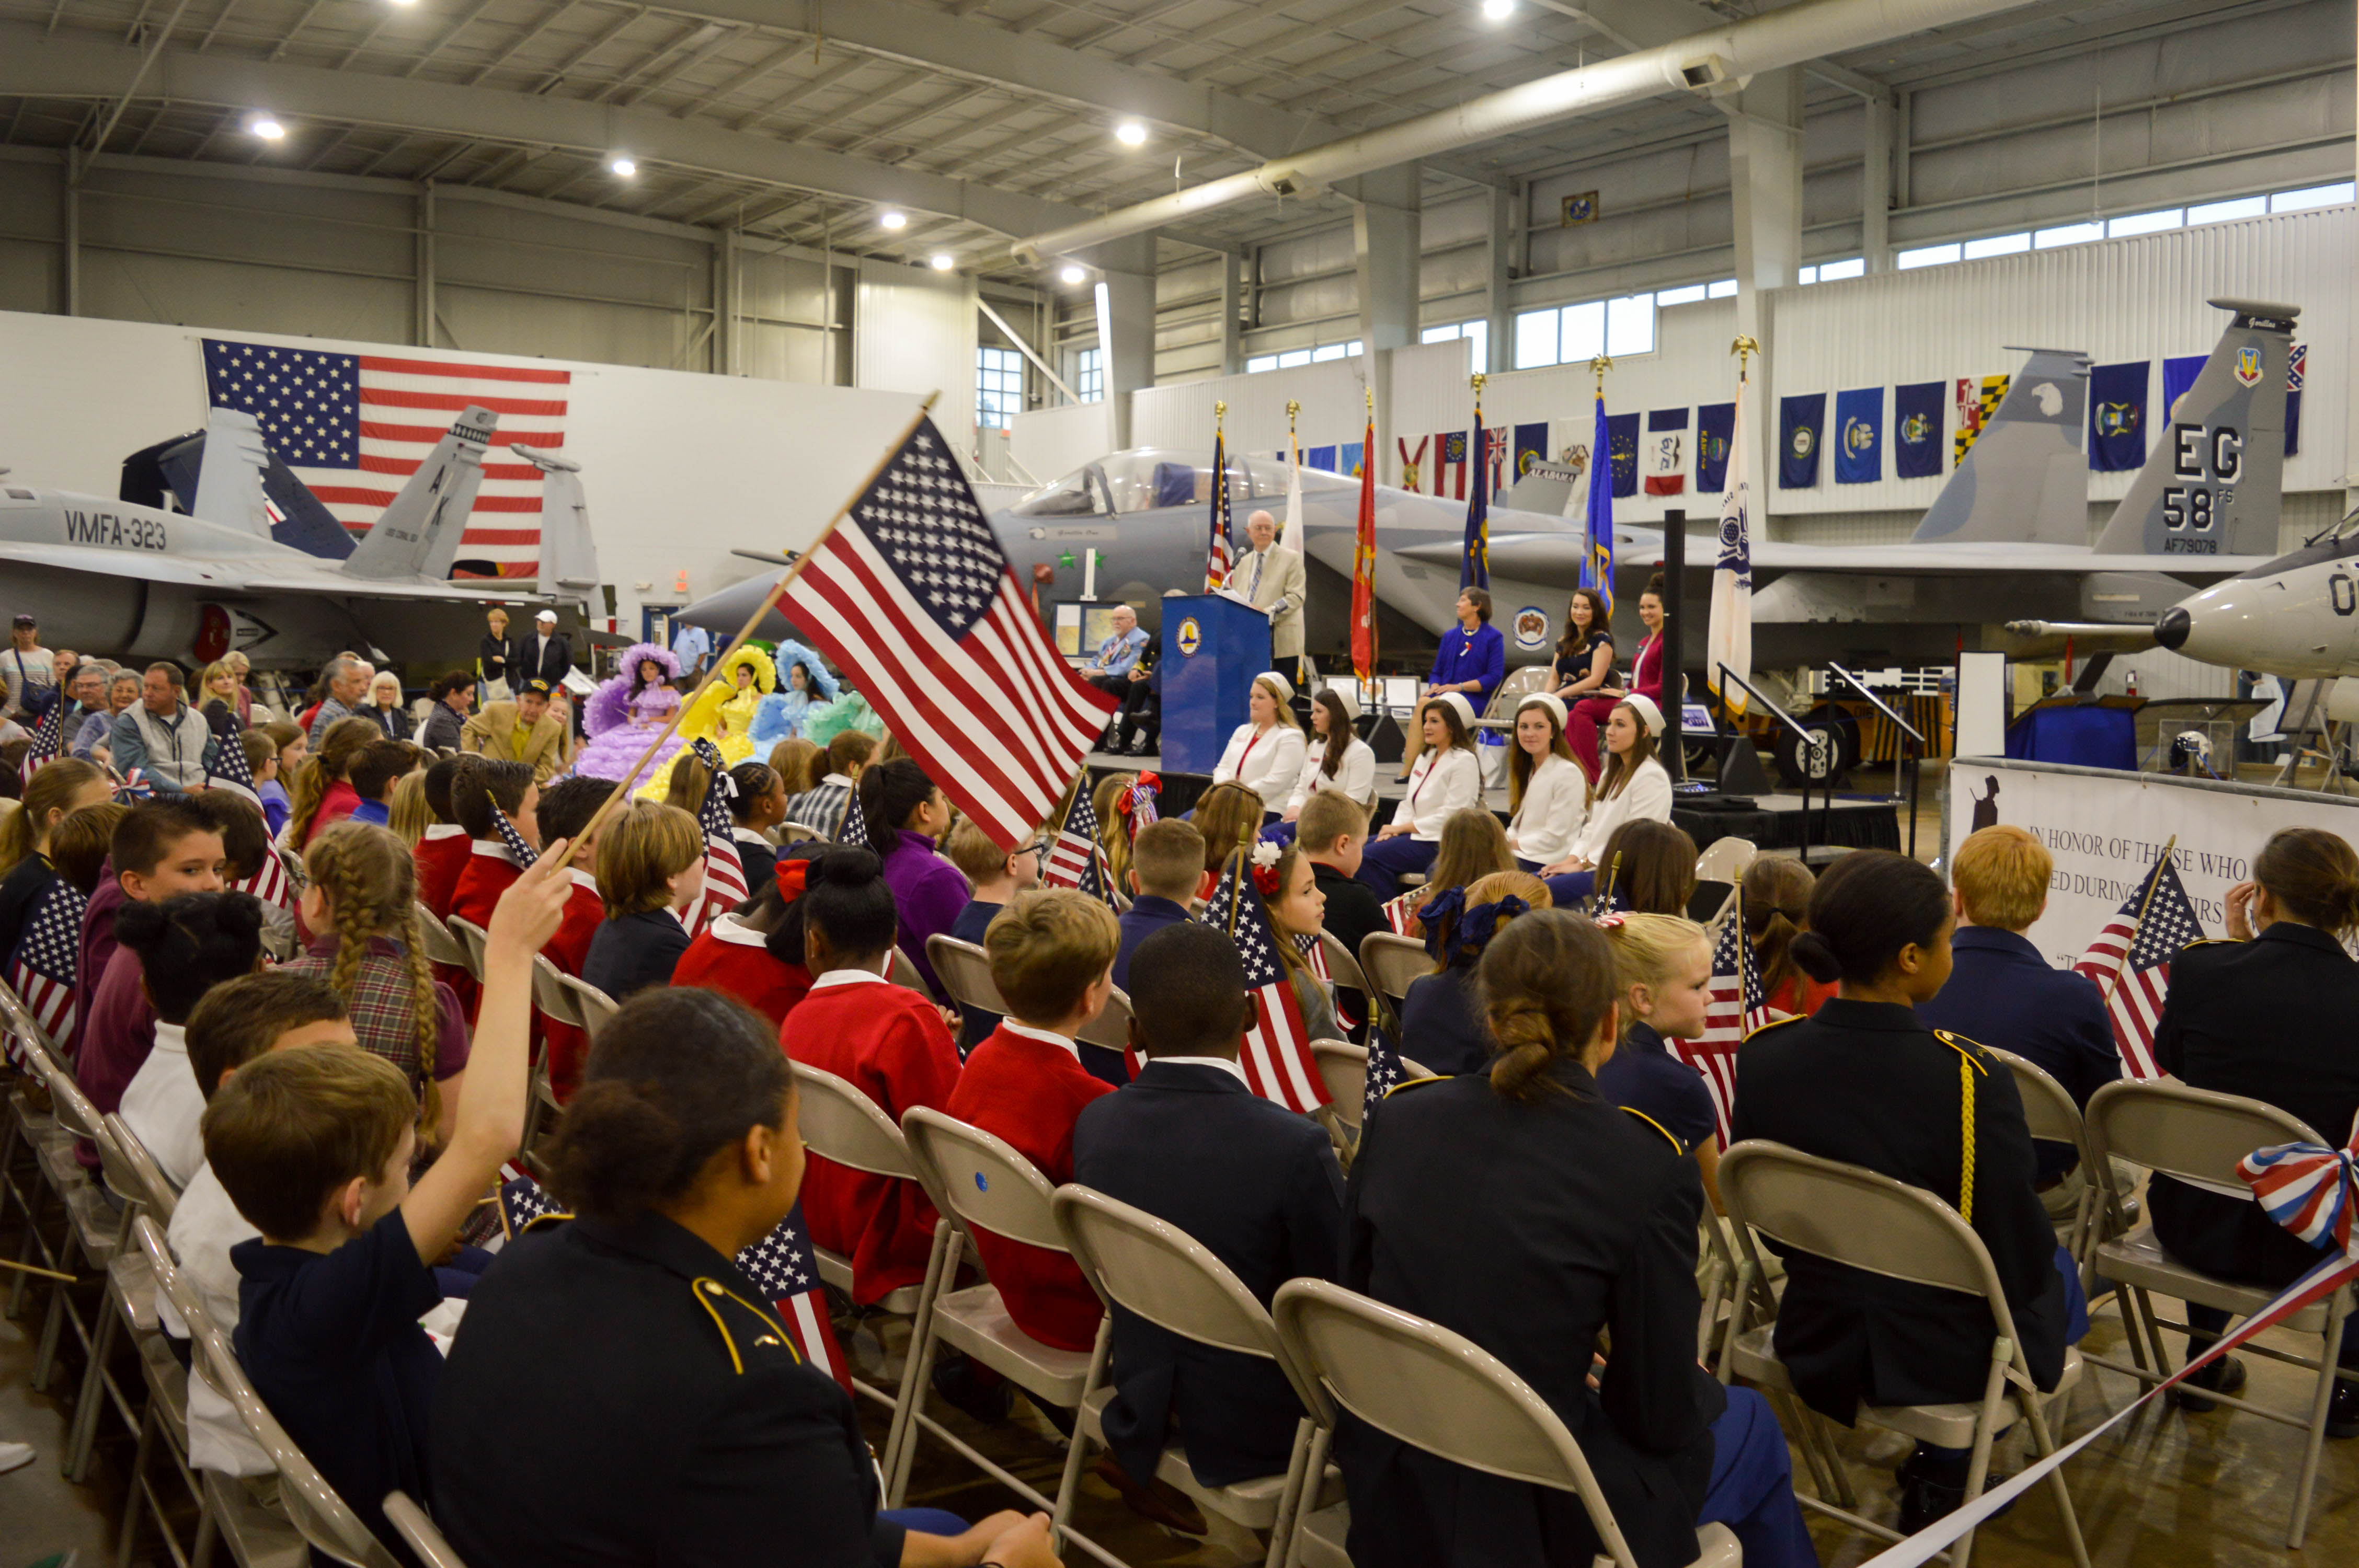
854, 830
42, 972
782, 1265
1143, 792
510, 840
49, 739
135, 788
2130, 961
354, 428
1384, 1074
1400, 914
909, 595
1076, 860
1276, 1055
1737, 1006
1218, 555
724, 868
524, 1200
269, 882
229, 770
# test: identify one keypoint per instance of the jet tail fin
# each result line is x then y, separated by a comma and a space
2024, 479
229, 479
569, 555
419, 534
2211, 484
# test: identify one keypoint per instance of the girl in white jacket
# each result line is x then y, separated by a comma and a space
1549, 792
1337, 760
1264, 753
1632, 785
1448, 778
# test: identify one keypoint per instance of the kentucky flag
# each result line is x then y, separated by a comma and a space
1859, 435
1622, 440
1715, 424
1667, 443
1531, 447
1799, 420
2117, 418
1917, 430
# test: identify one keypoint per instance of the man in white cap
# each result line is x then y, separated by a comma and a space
545, 655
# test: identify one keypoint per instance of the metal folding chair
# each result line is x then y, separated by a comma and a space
1389, 961
471, 939
2048, 1106
1343, 1068
435, 937
964, 970
2197, 1136
905, 974
131, 1173
1726, 859
1111, 1027
1441, 1393
1873, 1223
418, 1533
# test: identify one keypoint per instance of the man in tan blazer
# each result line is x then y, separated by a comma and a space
1270, 576
524, 730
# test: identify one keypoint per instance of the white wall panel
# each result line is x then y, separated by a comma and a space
915, 331
1052, 442
1333, 408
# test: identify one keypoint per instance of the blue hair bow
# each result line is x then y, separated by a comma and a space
1444, 907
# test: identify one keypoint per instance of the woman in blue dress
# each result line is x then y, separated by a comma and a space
805, 684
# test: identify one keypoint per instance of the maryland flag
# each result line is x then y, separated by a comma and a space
1364, 569
1975, 407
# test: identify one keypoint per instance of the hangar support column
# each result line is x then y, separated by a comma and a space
1764, 169
1126, 327
1386, 246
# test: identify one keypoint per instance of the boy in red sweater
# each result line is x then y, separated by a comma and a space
564, 810
490, 870
1053, 958
885, 1038
442, 851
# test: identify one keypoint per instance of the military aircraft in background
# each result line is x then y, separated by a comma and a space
238, 570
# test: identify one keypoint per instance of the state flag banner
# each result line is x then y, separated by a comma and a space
1351, 457
1859, 435
1531, 447
1715, 423
1917, 430
2179, 373
1666, 451
1450, 453
1976, 403
1799, 419
1622, 439
1319, 458
354, 428
2117, 417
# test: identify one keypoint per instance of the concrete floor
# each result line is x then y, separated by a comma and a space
2164, 1490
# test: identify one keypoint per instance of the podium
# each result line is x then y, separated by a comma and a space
1213, 648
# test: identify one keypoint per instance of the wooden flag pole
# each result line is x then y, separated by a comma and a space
31, 1268
623, 791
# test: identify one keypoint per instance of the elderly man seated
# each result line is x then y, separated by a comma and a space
525, 731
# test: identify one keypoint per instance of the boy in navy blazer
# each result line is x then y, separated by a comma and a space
1256, 1184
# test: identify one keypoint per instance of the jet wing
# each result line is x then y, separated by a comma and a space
1557, 557
147, 567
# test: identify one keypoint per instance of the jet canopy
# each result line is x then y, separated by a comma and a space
1149, 479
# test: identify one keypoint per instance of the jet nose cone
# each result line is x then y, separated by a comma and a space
2171, 630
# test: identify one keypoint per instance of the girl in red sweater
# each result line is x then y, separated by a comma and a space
889, 1042
757, 957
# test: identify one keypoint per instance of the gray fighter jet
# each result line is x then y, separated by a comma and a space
148, 583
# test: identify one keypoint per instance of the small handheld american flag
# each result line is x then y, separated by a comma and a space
135, 788
1736, 1008
782, 1265
725, 868
512, 840
854, 830
229, 770
909, 594
1076, 860
2130, 960
49, 740
523, 1201
1276, 1055
42, 972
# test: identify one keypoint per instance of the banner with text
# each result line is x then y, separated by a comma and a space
2105, 830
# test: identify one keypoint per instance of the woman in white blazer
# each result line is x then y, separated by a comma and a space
1634, 786
1546, 788
1447, 779
1347, 764
1264, 753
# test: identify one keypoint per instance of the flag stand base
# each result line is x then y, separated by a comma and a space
1740, 767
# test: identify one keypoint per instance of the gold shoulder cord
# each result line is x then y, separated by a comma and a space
704, 1288
1966, 1175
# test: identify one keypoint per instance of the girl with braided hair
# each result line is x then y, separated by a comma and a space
1522, 1208
362, 907
323, 792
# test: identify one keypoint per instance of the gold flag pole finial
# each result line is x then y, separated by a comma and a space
1369, 389
1477, 380
1744, 349
1598, 367
1219, 412
1293, 407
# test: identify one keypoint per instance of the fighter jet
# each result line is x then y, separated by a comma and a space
1146, 511
2009, 528
149, 582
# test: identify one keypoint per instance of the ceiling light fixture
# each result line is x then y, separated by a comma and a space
1130, 134
943, 261
267, 128
1071, 276
1498, 10
624, 165
894, 219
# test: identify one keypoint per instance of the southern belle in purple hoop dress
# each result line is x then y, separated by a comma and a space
629, 711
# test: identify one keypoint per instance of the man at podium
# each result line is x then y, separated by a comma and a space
1270, 578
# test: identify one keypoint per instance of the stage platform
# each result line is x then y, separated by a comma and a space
1854, 821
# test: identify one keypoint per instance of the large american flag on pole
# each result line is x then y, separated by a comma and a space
41, 972
909, 595
1276, 1055
1737, 1006
354, 428
1219, 556
1077, 859
2130, 960
725, 868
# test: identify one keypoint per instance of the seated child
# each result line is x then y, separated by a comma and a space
650, 870
185, 948
997, 875
1053, 958
889, 1042
314, 1146
565, 810
1442, 1021
442, 849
